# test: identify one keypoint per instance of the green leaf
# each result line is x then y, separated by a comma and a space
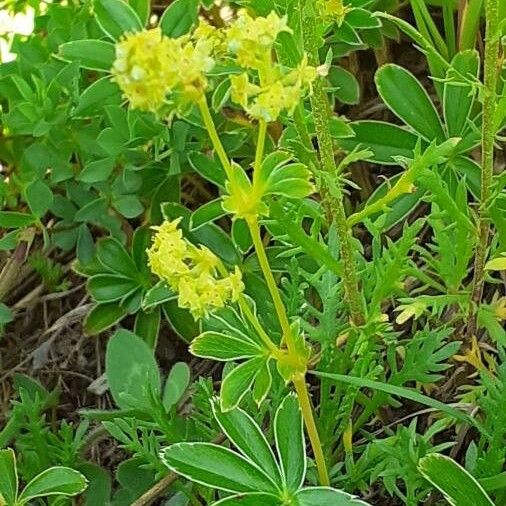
142, 8
217, 467
147, 326
8, 476
158, 294
238, 381
93, 99
108, 288
98, 170
131, 370
39, 197
407, 99
116, 17
496, 264
289, 435
253, 499
458, 486
318, 496
181, 320
278, 177
54, 481
217, 346
90, 54
13, 219
99, 487
179, 17
208, 168
103, 316
248, 438
406, 393
114, 257
347, 89
176, 384
385, 140
458, 96
128, 205
207, 213
263, 383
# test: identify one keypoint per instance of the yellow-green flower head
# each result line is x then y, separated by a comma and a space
333, 10
190, 61
242, 89
140, 68
192, 272
149, 66
167, 255
251, 38
211, 34
303, 76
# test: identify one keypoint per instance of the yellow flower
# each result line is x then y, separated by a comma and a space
269, 103
140, 68
242, 89
149, 66
192, 272
333, 10
251, 39
190, 61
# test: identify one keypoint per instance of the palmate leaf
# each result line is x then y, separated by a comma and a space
227, 337
253, 473
279, 177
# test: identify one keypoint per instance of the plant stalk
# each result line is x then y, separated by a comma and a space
334, 203
487, 148
213, 134
299, 382
254, 229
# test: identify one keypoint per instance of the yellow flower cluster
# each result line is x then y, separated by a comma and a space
333, 10
251, 38
149, 66
278, 89
267, 102
140, 68
191, 271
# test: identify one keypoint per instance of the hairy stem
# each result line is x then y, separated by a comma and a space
335, 203
299, 382
487, 147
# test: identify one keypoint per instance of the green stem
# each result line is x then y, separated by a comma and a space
254, 229
259, 154
487, 148
335, 204
213, 134
299, 382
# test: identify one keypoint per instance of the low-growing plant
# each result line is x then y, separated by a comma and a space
188, 162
